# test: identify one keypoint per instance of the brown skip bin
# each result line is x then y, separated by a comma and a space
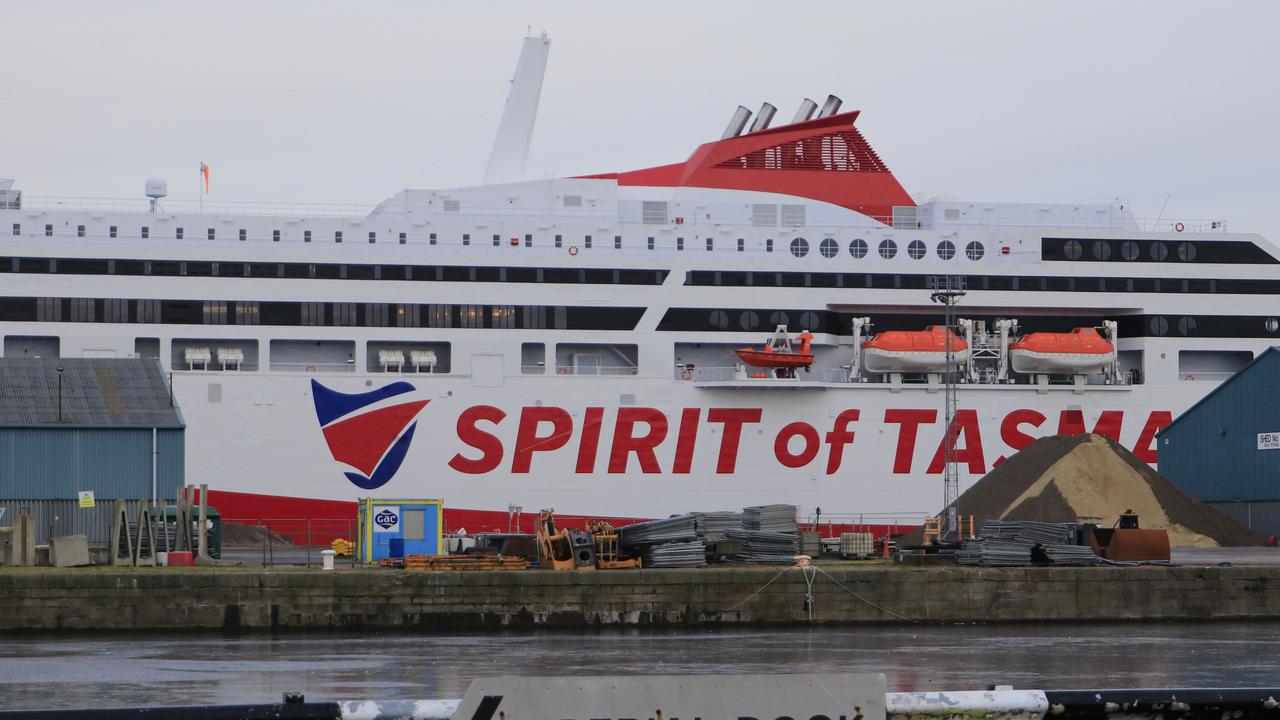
1130, 544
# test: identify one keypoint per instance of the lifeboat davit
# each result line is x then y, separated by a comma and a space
914, 351
778, 353
1080, 352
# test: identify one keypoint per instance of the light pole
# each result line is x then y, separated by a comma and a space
948, 289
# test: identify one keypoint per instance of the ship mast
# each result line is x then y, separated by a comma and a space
948, 289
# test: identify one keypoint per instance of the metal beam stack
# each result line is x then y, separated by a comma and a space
772, 518
675, 554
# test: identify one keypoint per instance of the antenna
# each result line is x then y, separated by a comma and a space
515, 130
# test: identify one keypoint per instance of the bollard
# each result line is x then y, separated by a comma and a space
326, 559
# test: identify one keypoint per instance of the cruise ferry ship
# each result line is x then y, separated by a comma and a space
582, 343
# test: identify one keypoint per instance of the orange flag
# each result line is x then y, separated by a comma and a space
204, 172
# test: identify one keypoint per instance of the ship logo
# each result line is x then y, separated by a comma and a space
372, 442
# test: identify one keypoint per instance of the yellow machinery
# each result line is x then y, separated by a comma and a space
572, 549
608, 553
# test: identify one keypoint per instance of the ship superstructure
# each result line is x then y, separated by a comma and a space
571, 342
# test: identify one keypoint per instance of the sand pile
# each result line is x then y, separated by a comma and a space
1090, 478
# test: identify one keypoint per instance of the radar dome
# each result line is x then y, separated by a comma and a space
157, 188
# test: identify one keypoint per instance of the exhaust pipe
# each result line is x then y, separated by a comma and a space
736, 123
830, 107
763, 118
805, 113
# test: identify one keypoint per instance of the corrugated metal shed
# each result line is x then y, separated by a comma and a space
110, 409
1212, 451
95, 391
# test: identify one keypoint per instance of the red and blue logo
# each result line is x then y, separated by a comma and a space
373, 442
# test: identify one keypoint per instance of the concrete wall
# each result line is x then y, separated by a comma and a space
181, 599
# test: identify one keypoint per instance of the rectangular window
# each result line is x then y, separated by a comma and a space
146, 232
573, 201
466, 238
275, 236
679, 243
344, 314
650, 242
111, 231
115, 310
452, 205
793, 216
148, 311
48, 310
768, 245
528, 241
248, 312
375, 314
764, 215
742, 244
177, 234
710, 243
432, 238
617, 242
17, 228
403, 238
496, 241
337, 236
654, 213
48, 231
306, 236
212, 233
244, 234
82, 310
215, 312
408, 315
373, 237
586, 242
79, 231
559, 240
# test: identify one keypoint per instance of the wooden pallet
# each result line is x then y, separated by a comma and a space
464, 562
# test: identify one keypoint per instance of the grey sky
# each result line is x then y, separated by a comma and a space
352, 101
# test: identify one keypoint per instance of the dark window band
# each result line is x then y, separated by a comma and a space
1233, 252
1009, 283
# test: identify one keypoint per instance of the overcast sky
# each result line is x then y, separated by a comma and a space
351, 101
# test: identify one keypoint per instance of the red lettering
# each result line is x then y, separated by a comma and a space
966, 424
590, 442
685, 441
910, 421
625, 442
487, 443
1014, 437
1143, 449
1071, 422
805, 456
733, 419
840, 436
528, 441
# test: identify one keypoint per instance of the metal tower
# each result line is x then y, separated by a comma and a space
948, 289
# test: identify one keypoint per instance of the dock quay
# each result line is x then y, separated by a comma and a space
178, 599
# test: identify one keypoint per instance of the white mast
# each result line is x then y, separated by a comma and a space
511, 146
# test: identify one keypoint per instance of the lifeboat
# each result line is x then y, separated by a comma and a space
914, 351
1080, 352
778, 353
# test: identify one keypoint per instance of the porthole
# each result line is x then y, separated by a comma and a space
858, 248
1159, 326
809, 320
779, 318
1072, 249
1129, 250
888, 249
829, 248
1186, 325
1159, 251
917, 250
946, 249
749, 320
718, 319
1186, 252
799, 247
1272, 325
974, 250
1101, 250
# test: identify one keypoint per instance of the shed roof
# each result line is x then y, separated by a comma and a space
122, 392
1246, 370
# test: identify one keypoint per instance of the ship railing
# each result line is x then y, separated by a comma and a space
761, 375
1205, 375
191, 207
830, 525
595, 370
316, 367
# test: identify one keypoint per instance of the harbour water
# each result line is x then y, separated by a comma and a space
106, 671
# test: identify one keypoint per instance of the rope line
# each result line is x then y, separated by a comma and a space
859, 597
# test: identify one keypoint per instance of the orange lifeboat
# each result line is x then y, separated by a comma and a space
1079, 352
778, 353
913, 350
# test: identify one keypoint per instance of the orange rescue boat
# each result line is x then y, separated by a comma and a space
777, 352
1079, 352
913, 350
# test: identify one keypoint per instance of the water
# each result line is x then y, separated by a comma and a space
97, 671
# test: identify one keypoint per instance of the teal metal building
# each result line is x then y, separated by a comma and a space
1225, 449
73, 424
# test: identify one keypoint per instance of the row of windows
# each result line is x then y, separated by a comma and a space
318, 314
837, 323
1014, 283
1188, 251
331, 271
887, 248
